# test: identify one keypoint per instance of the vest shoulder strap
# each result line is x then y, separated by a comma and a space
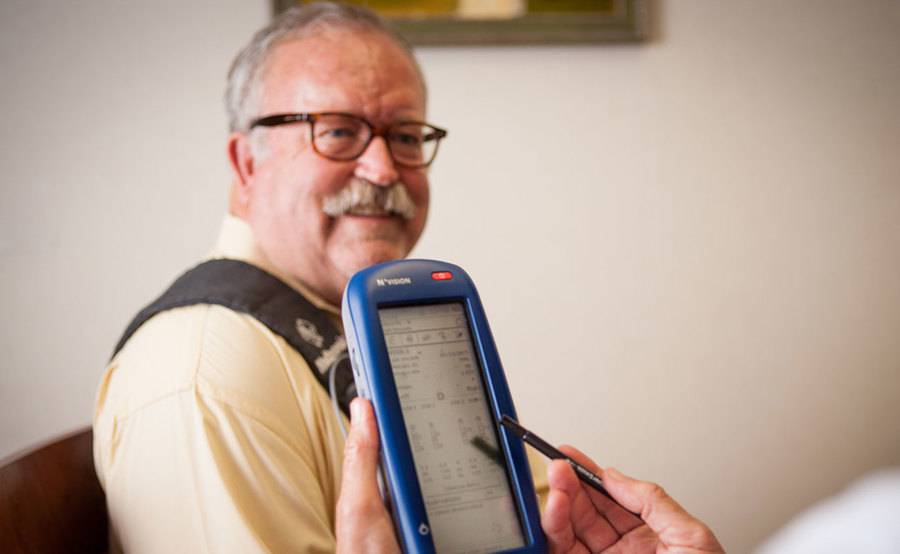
247, 289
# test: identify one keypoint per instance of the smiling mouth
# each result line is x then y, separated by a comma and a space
369, 210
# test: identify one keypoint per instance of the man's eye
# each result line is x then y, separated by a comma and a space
338, 133
406, 139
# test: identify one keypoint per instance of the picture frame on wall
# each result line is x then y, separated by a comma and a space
509, 22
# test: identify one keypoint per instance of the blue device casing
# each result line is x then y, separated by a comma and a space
408, 283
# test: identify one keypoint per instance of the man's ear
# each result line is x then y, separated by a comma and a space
240, 154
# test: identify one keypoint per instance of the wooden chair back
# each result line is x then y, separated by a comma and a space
50, 499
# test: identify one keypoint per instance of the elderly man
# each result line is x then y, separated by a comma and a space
213, 430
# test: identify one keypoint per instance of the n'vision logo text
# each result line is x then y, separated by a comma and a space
395, 281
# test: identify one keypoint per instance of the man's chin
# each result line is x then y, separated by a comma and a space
359, 242
368, 254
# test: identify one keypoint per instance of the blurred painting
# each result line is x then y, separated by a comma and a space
436, 22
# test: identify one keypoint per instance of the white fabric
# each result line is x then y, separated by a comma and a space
863, 518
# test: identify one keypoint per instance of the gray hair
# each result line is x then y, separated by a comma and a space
295, 23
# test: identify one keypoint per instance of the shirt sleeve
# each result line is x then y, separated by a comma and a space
210, 441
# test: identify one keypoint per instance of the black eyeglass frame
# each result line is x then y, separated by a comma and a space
275, 120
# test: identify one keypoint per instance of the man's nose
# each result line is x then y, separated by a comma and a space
376, 164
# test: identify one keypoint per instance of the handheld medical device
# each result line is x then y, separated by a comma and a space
423, 353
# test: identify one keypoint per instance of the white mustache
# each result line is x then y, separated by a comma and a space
361, 197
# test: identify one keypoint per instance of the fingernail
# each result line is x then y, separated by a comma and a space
355, 410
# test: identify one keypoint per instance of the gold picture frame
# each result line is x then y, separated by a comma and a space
510, 22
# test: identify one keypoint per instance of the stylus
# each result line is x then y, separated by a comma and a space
553, 453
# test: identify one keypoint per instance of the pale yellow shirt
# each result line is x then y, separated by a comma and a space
211, 434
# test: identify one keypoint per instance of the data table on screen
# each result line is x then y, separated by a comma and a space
463, 478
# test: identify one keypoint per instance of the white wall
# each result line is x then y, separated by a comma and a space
113, 180
689, 249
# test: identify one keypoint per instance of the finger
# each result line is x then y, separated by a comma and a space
358, 482
580, 457
672, 523
555, 522
588, 524
621, 519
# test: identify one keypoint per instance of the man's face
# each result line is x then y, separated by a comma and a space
282, 194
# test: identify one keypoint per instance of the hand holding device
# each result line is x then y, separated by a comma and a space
423, 353
362, 523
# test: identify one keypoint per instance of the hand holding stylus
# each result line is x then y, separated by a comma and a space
578, 518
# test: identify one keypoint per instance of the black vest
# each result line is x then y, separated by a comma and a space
248, 289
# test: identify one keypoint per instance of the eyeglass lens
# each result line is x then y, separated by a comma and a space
343, 137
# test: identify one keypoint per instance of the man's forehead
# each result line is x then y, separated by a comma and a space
339, 70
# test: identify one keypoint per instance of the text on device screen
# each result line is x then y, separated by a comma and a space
466, 491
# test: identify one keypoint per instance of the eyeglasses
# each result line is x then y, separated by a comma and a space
342, 136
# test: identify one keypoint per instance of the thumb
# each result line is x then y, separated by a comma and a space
362, 524
672, 524
360, 454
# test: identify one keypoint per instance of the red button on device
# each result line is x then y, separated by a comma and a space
441, 275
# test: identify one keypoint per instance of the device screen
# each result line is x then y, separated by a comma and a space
461, 472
